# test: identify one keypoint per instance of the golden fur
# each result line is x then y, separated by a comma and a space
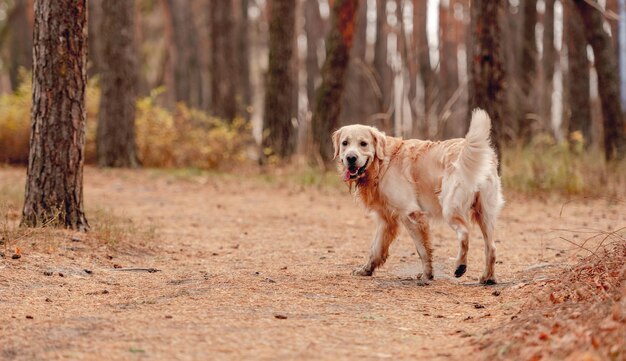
409, 182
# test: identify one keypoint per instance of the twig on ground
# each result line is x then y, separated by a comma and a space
149, 270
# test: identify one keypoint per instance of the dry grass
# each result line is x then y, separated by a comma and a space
544, 166
579, 314
181, 137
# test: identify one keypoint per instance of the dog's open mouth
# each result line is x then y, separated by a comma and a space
354, 172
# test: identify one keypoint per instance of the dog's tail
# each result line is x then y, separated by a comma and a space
476, 158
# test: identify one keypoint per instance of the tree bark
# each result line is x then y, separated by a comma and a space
608, 80
528, 69
54, 185
115, 138
487, 75
279, 133
222, 64
328, 106
578, 87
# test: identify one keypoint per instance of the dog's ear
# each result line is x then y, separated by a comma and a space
336, 136
381, 142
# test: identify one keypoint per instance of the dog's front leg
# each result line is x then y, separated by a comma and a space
386, 233
416, 224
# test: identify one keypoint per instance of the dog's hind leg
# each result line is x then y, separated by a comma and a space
462, 234
386, 233
416, 224
486, 220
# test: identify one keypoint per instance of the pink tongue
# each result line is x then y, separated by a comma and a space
346, 176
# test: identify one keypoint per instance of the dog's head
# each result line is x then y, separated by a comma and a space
357, 147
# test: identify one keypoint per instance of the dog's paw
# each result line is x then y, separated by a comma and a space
363, 272
425, 277
488, 281
460, 270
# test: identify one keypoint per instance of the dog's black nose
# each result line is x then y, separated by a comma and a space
351, 159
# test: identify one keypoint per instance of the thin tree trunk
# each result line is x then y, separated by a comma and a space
487, 75
420, 29
338, 44
115, 140
313, 25
608, 80
54, 184
528, 69
279, 133
409, 66
93, 56
448, 64
578, 66
622, 52
243, 57
166, 70
381, 65
184, 54
222, 63
449, 126
549, 56
357, 100
20, 42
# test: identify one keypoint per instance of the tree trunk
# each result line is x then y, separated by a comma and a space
622, 52
243, 57
328, 106
54, 184
448, 64
184, 54
93, 37
578, 87
448, 72
528, 69
381, 65
20, 41
549, 55
280, 134
222, 63
420, 29
487, 77
313, 27
608, 81
357, 97
115, 139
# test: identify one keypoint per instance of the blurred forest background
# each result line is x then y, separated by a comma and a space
217, 84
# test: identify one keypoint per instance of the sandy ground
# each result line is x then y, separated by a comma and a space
259, 268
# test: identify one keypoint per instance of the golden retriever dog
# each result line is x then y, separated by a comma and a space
409, 182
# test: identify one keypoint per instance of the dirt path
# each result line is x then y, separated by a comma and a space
259, 269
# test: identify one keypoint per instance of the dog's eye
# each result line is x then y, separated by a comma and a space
363, 144
344, 143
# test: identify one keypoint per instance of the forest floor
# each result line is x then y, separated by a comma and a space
196, 266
